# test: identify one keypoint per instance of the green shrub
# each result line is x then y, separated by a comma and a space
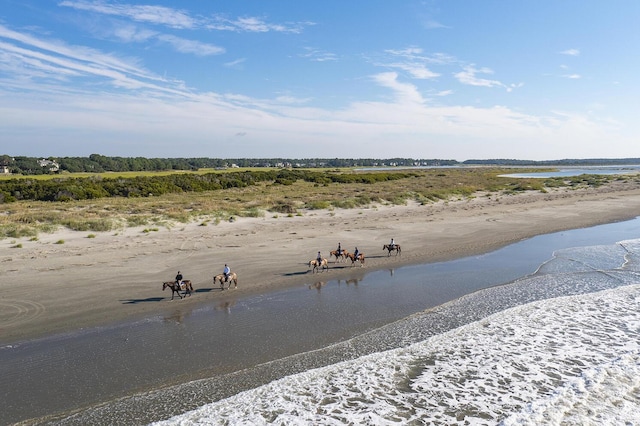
318, 205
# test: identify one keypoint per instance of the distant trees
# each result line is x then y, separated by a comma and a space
97, 163
66, 189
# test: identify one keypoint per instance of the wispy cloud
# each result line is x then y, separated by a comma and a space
318, 55
45, 59
470, 77
158, 15
181, 19
431, 24
413, 61
572, 76
235, 64
570, 52
253, 24
191, 46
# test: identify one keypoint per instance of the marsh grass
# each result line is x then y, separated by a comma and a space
29, 218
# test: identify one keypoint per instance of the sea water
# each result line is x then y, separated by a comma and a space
558, 344
569, 356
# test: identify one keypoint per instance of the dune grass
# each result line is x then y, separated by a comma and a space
29, 218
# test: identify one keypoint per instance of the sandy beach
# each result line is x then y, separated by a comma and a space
49, 288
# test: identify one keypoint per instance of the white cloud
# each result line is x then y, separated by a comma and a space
132, 33
158, 15
415, 70
180, 19
571, 52
469, 76
413, 61
235, 64
404, 92
318, 55
254, 24
50, 59
432, 24
191, 46
572, 76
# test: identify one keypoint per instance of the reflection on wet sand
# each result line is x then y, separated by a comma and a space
353, 281
176, 316
318, 285
225, 305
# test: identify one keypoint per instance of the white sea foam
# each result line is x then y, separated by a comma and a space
568, 360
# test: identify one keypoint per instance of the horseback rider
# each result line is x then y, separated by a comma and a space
319, 259
226, 272
179, 279
392, 245
339, 251
356, 254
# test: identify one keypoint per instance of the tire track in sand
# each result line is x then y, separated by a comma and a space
14, 312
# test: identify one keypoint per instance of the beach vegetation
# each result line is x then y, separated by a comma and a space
29, 206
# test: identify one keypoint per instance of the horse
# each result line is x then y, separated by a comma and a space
391, 248
339, 257
175, 288
354, 259
233, 278
323, 264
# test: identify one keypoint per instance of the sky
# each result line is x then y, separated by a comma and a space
422, 79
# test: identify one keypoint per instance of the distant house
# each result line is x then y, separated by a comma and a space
5, 170
51, 165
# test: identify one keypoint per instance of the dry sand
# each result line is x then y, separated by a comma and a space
49, 288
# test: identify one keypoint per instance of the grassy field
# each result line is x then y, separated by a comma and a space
27, 219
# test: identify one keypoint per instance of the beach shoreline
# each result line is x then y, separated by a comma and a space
51, 288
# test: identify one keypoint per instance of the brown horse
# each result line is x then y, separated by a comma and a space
233, 278
354, 259
187, 287
342, 257
322, 265
391, 248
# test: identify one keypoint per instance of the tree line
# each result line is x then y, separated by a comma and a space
67, 189
97, 163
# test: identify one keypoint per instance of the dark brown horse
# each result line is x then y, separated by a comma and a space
175, 288
355, 259
233, 277
391, 248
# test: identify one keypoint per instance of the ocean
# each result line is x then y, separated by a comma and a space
568, 352
545, 331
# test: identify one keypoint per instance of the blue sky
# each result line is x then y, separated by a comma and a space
538, 80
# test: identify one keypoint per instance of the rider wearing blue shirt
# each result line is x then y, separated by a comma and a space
226, 272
